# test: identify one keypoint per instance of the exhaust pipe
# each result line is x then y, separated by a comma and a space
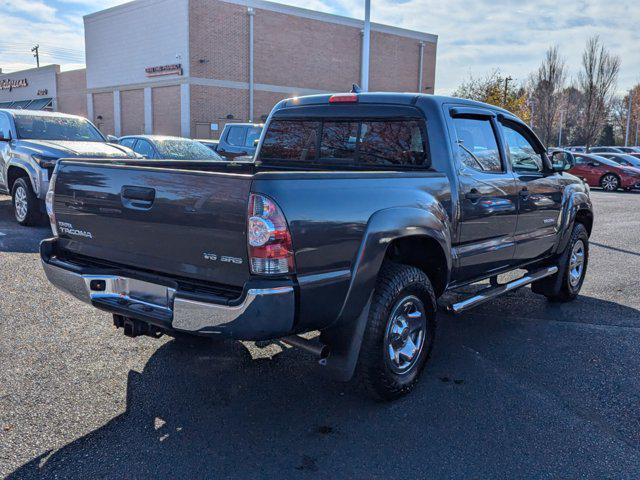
316, 348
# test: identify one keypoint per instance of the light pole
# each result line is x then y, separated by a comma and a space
561, 124
366, 39
626, 136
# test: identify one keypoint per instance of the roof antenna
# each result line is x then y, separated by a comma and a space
355, 88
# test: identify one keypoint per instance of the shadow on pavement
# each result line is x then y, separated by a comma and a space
16, 238
499, 395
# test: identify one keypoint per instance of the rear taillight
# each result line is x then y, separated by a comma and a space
49, 204
268, 238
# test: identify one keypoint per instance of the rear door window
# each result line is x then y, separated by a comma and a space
358, 143
477, 145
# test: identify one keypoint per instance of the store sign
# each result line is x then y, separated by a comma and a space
43, 92
9, 84
175, 69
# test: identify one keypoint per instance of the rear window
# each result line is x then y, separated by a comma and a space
341, 143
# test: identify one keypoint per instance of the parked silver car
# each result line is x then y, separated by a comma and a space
31, 142
168, 148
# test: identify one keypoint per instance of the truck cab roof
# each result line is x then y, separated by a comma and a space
387, 98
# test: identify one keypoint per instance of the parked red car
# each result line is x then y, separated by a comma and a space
601, 172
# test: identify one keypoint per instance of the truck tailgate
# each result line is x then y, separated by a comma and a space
177, 222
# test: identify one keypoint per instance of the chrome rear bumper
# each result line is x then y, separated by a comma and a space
260, 313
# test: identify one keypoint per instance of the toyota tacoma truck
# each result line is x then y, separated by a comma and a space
360, 211
30, 144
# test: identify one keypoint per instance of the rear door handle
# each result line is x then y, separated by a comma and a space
137, 198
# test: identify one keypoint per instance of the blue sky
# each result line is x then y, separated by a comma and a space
475, 36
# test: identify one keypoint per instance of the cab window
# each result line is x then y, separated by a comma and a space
521, 152
477, 145
235, 136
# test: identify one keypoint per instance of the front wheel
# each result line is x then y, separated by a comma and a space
609, 182
573, 266
400, 332
25, 203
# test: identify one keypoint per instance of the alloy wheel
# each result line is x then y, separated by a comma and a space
21, 204
576, 263
405, 334
609, 183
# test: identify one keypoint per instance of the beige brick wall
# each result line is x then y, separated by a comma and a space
166, 110
72, 92
218, 40
301, 52
212, 105
263, 102
132, 112
394, 64
429, 68
103, 112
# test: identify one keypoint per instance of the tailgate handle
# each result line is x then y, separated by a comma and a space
140, 198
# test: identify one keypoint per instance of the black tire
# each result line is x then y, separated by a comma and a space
26, 206
378, 373
566, 288
609, 182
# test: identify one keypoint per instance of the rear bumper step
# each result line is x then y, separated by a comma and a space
495, 291
261, 313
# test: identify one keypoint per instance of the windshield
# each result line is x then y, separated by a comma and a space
184, 149
41, 127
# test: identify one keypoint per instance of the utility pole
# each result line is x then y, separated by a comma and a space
560, 134
36, 54
506, 90
626, 136
366, 39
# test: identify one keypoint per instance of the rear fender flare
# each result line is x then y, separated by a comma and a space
384, 226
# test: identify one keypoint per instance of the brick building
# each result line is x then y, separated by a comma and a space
45, 88
187, 67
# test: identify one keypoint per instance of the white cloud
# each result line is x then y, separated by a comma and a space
32, 8
475, 36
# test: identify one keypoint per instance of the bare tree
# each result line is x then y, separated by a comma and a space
546, 86
496, 89
597, 82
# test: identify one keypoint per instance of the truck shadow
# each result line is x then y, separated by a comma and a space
201, 410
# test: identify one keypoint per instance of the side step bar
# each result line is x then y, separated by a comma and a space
493, 292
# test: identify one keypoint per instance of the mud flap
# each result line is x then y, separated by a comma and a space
344, 341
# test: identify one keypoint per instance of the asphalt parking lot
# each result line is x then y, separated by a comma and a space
516, 388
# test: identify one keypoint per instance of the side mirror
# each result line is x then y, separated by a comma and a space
562, 161
5, 136
112, 139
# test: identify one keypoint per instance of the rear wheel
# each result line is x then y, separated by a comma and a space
25, 203
400, 332
610, 182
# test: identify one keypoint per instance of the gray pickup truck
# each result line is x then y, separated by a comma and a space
30, 144
359, 212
